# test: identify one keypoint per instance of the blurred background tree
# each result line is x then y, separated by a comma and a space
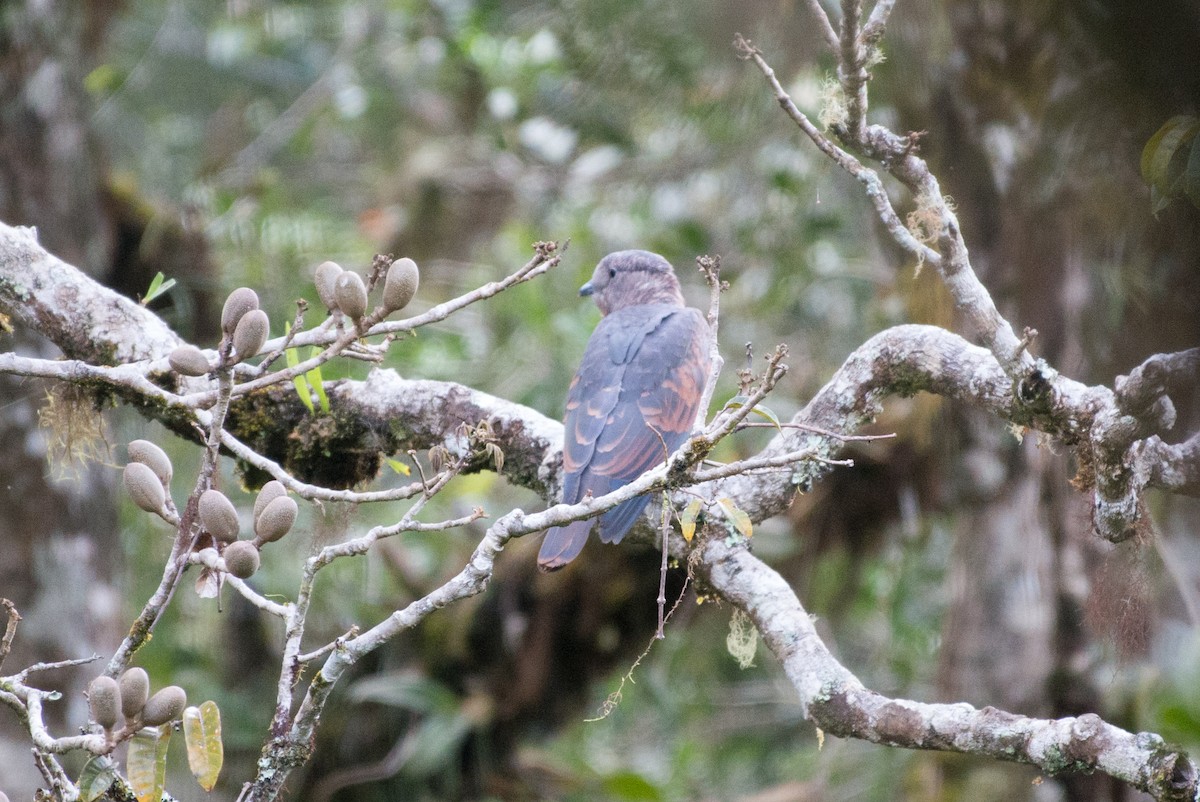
245, 142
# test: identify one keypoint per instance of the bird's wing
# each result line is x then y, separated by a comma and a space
660, 394
631, 404
597, 388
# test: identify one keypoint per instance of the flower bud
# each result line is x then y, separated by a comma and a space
188, 360
151, 455
270, 491
400, 285
239, 302
145, 488
250, 334
324, 278
219, 516
351, 294
104, 701
135, 690
166, 705
275, 520
241, 559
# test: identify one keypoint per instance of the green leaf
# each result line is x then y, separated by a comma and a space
157, 288
687, 521
97, 775
767, 413
146, 763
205, 749
631, 786
102, 79
740, 520
398, 466
406, 690
317, 382
1163, 159
435, 742
739, 401
292, 357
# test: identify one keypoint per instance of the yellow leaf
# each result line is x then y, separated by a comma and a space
737, 517
398, 466
687, 521
205, 750
146, 763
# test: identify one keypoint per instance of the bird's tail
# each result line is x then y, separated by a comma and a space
563, 544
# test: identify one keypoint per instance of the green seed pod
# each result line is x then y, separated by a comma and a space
166, 705
275, 521
188, 360
251, 333
400, 285
351, 294
241, 558
149, 454
104, 701
219, 516
270, 491
144, 486
135, 690
239, 302
325, 278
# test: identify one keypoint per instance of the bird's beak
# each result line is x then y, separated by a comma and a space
587, 289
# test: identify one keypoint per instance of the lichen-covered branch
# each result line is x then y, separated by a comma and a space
1120, 461
837, 702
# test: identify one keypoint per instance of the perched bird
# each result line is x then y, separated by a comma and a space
634, 398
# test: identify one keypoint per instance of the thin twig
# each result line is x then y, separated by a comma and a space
827, 31
710, 266
804, 427
614, 698
10, 629
55, 665
876, 192
665, 531
336, 643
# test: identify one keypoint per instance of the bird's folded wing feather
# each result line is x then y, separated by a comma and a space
625, 417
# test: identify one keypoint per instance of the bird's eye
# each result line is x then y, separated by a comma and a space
612, 272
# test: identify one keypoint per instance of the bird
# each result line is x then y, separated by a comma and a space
634, 399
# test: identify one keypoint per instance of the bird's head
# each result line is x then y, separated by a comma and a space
632, 278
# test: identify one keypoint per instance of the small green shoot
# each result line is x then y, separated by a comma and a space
157, 287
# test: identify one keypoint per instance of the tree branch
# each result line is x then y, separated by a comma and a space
837, 702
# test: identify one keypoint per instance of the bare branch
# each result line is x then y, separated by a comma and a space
1173, 467
897, 154
1143, 393
837, 702
311, 491
875, 190
822, 19
10, 628
852, 70
872, 32
710, 266
84, 319
209, 558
